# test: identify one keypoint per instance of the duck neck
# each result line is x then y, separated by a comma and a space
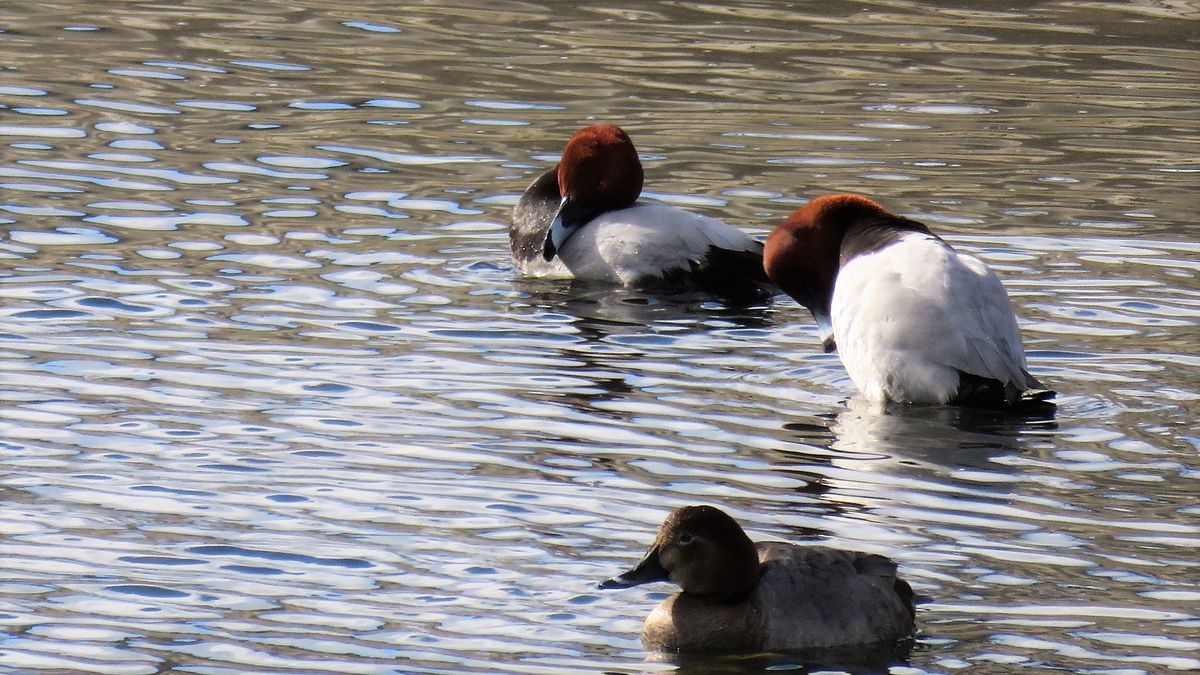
738, 574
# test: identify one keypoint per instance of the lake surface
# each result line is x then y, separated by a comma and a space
273, 399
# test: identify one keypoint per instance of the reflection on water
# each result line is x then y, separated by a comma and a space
273, 400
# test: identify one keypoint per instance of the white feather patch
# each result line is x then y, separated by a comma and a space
908, 316
646, 240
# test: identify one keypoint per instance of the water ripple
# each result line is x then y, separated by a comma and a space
274, 399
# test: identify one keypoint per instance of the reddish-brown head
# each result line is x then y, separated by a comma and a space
600, 168
802, 255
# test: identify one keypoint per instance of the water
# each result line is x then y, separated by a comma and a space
274, 401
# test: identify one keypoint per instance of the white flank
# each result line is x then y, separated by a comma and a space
907, 316
645, 240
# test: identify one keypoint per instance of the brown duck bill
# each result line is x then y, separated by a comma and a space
646, 571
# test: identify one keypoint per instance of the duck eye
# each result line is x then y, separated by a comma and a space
685, 539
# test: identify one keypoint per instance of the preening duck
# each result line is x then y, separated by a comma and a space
913, 320
582, 219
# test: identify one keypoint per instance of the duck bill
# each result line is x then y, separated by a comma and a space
567, 221
818, 303
825, 330
648, 570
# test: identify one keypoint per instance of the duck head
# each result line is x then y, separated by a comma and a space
599, 171
704, 551
803, 254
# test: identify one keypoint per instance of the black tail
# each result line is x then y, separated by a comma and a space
984, 392
736, 276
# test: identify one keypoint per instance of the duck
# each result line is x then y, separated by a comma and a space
582, 220
913, 320
738, 596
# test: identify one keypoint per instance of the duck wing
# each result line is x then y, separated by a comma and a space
814, 596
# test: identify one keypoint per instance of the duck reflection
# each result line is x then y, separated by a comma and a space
603, 309
837, 453
881, 658
943, 435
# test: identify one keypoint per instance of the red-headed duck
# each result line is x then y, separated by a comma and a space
738, 596
582, 220
913, 320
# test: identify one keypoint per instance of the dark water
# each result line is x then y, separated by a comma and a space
272, 399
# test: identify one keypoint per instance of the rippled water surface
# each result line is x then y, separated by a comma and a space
273, 400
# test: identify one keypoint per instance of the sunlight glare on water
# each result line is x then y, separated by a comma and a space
275, 400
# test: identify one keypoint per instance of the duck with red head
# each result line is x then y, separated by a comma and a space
582, 220
913, 320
